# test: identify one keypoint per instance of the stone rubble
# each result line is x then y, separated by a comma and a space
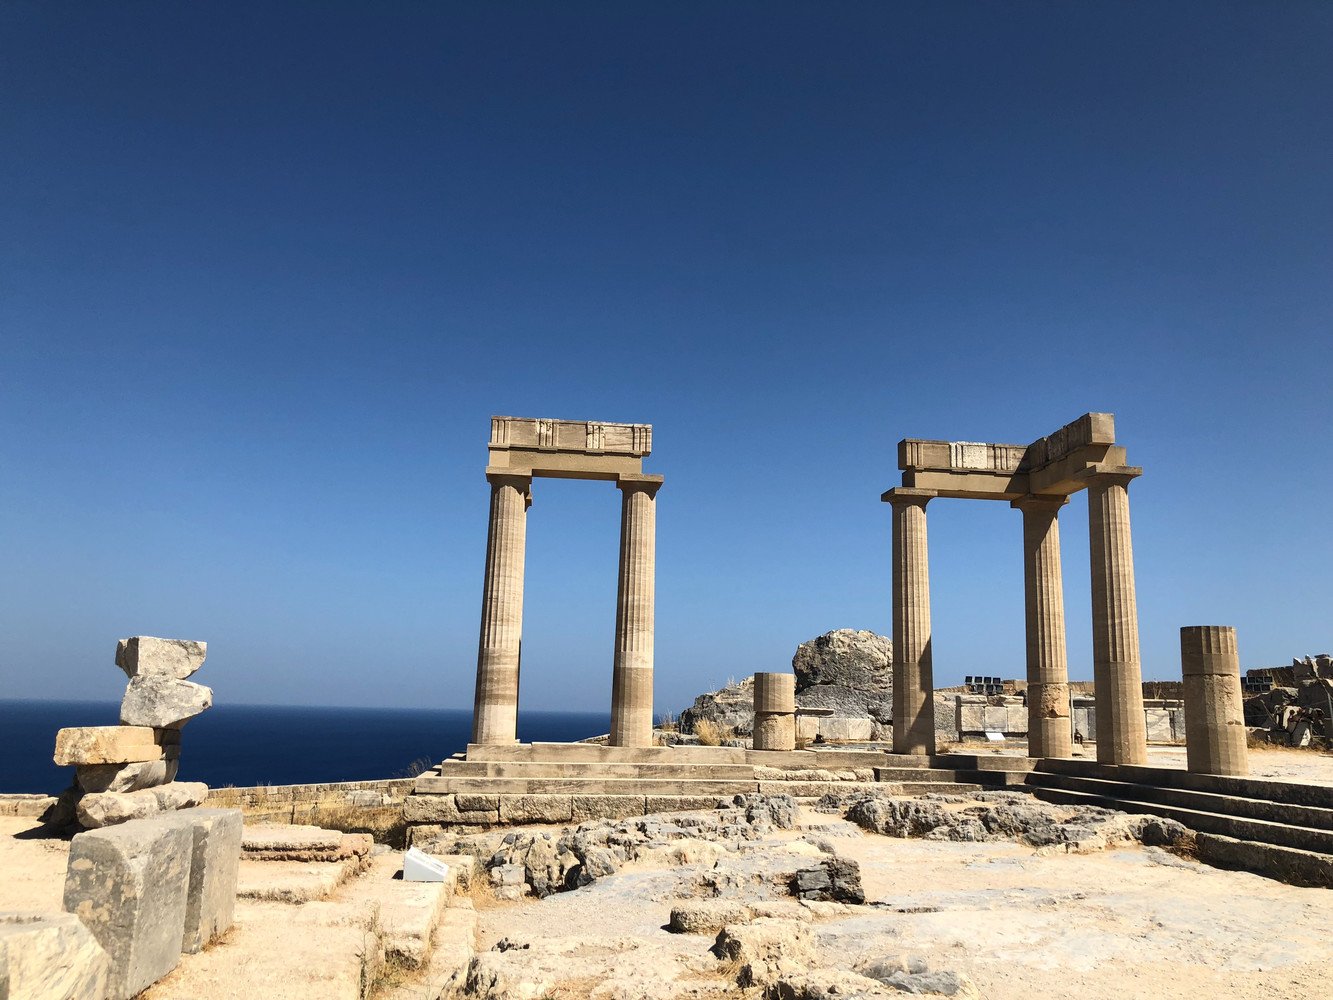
128, 772
50, 955
542, 863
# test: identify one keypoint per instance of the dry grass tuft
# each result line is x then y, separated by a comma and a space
711, 734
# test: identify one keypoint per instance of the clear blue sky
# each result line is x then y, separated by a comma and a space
266, 270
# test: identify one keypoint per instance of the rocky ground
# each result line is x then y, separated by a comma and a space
1002, 897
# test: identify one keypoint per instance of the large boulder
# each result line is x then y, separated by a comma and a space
848, 673
845, 657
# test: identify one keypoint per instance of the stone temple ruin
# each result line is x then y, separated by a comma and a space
498, 780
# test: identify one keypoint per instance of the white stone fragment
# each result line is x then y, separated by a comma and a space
421, 867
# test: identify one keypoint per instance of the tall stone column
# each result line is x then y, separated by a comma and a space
913, 680
1116, 670
632, 679
1214, 709
1049, 732
495, 704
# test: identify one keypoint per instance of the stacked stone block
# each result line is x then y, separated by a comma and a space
129, 771
774, 711
1214, 710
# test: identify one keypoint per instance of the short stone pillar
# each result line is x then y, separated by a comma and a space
1214, 712
775, 711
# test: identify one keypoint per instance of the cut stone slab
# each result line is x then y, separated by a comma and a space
292, 881
104, 809
126, 777
280, 837
215, 858
163, 702
129, 884
409, 911
50, 956
146, 655
106, 745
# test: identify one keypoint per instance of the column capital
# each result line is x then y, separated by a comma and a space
1114, 475
633, 482
906, 496
508, 477
1039, 502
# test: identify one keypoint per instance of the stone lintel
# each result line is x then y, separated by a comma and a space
988, 470
569, 449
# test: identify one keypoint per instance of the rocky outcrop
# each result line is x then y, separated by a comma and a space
1012, 816
843, 674
542, 863
731, 707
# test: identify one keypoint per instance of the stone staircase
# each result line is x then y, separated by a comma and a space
569, 782
1275, 828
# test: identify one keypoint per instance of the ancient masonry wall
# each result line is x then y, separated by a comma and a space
369, 803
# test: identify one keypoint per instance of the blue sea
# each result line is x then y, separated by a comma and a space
277, 745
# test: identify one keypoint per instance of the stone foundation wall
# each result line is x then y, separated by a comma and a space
18, 804
367, 805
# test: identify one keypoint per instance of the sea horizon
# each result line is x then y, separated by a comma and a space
244, 745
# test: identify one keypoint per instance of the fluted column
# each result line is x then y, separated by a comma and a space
913, 680
632, 677
1116, 670
1048, 666
1214, 709
774, 711
495, 704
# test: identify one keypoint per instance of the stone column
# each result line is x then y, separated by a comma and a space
774, 711
913, 681
1214, 710
495, 705
1116, 670
1049, 733
632, 679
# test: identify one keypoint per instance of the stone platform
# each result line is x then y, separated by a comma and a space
494, 785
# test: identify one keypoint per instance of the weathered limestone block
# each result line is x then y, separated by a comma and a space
846, 730
682, 803
444, 809
126, 777
130, 886
707, 916
50, 956
106, 745
215, 856
290, 837
163, 702
109, 808
536, 808
146, 655
586, 807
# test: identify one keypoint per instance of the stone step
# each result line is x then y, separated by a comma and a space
975, 762
1286, 864
1228, 805
409, 911
594, 752
1289, 792
832, 760
998, 779
1262, 831
593, 770
429, 785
